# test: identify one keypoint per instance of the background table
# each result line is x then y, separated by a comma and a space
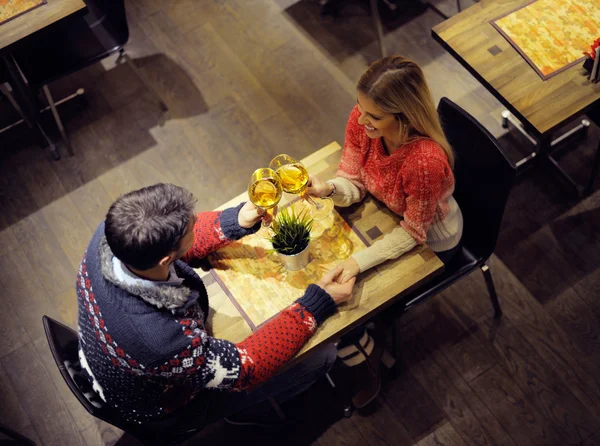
19, 28
541, 107
37, 19
374, 290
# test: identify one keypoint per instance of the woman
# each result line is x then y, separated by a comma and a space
396, 150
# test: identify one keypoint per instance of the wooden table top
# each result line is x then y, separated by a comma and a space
374, 290
542, 106
36, 19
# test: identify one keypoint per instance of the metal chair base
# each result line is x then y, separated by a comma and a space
487, 275
549, 149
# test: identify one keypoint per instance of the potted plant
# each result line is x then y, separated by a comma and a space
291, 238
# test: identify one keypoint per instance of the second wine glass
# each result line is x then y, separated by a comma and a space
264, 191
294, 180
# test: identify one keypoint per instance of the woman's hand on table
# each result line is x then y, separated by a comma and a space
350, 269
317, 187
249, 215
339, 292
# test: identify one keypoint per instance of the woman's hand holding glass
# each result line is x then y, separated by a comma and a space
317, 187
295, 180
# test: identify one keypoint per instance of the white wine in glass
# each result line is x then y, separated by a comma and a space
264, 191
294, 180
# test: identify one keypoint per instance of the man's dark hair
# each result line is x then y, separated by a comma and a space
147, 224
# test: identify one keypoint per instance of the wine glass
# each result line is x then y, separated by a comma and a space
264, 191
294, 180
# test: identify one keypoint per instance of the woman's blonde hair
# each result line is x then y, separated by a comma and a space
397, 85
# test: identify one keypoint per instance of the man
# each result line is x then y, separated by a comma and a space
143, 309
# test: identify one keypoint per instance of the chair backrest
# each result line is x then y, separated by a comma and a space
484, 177
108, 21
108, 16
64, 345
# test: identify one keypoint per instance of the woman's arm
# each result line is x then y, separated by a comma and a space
422, 179
350, 167
391, 246
347, 187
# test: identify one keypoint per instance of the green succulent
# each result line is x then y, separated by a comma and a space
291, 231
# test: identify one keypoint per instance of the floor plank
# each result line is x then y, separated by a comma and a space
46, 409
513, 409
443, 435
12, 413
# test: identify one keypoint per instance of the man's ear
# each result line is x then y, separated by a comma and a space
166, 260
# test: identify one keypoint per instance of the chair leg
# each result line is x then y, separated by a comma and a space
5, 89
347, 406
59, 123
487, 275
277, 409
125, 56
595, 167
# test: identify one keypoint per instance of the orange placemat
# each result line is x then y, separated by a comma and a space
552, 34
9, 9
258, 284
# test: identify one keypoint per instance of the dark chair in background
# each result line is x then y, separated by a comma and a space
484, 177
64, 344
73, 44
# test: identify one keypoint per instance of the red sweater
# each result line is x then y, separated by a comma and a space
415, 181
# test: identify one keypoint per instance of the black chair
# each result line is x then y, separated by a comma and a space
64, 345
73, 44
484, 177
594, 116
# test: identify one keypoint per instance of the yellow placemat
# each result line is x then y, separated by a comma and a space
248, 273
9, 9
552, 34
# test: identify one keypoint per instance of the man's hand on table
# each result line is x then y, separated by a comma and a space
249, 215
339, 292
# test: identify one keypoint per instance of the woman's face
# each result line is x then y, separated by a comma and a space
377, 123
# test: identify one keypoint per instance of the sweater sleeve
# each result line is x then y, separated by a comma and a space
350, 166
346, 192
422, 181
213, 230
208, 362
391, 246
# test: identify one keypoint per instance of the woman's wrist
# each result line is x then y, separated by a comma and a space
330, 189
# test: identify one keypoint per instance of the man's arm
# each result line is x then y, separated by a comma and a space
209, 362
213, 230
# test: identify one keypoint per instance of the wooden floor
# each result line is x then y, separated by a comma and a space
245, 80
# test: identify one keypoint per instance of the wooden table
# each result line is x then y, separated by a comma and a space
19, 28
374, 290
541, 106
37, 19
